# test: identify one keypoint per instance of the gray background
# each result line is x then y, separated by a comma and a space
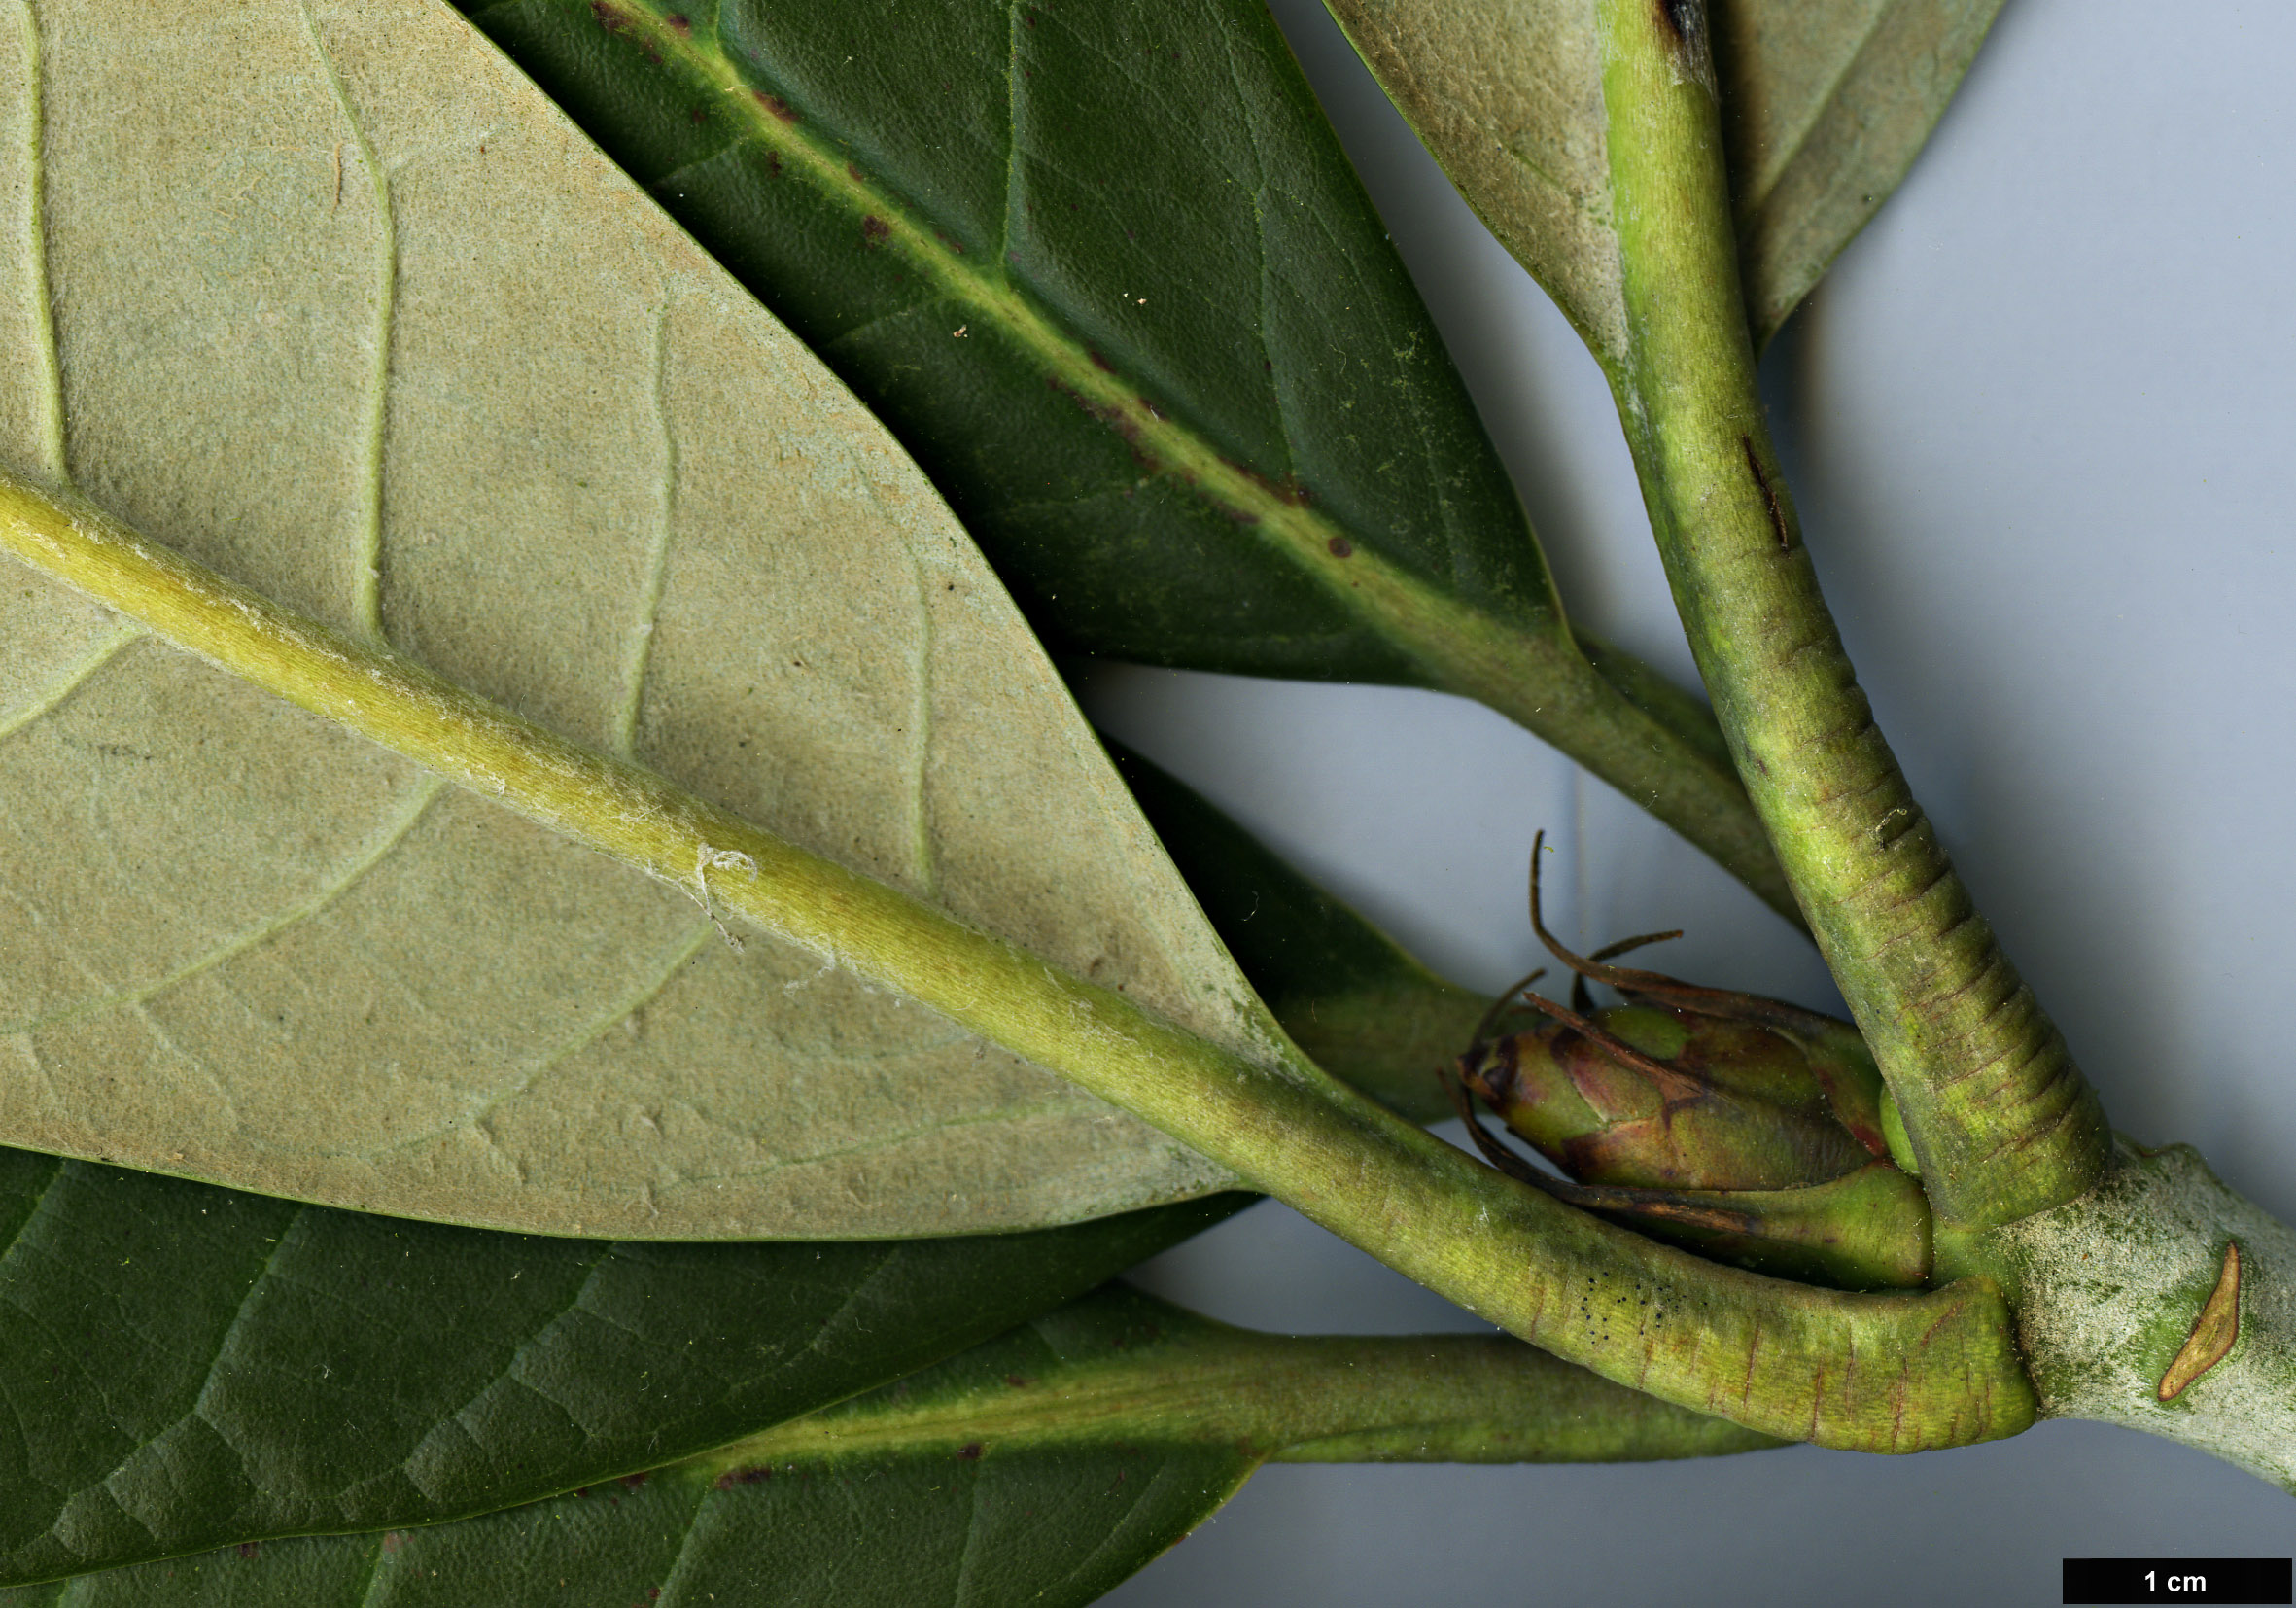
2036, 420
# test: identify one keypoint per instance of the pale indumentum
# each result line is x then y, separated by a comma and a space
582, 725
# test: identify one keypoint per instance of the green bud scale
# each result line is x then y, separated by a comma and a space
1747, 1127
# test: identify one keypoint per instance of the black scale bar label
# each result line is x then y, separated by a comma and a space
2177, 1580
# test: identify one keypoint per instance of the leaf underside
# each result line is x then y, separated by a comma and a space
1826, 107
333, 301
223, 906
1103, 268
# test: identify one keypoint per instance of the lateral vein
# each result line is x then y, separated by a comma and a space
39, 292
367, 573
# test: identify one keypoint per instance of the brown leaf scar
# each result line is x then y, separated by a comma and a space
2212, 1332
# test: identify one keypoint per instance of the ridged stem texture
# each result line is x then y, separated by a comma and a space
2001, 1119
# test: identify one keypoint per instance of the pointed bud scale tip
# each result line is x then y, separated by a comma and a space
1753, 1130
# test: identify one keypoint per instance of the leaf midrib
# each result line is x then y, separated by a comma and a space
1209, 1386
1370, 587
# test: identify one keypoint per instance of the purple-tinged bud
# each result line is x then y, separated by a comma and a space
1701, 1103
1753, 1130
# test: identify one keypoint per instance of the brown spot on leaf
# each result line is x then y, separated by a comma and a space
609, 16
874, 231
1290, 491
1100, 362
2212, 1332
1113, 416
678, 22
249, 1549
775, 104
1340, 548
970, 1451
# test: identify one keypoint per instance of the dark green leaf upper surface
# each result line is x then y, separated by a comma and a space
188, 1366
1041, 1467
1145, 192
1053, 1527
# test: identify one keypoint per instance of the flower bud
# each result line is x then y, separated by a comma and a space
1707, 1103
1749, 1129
